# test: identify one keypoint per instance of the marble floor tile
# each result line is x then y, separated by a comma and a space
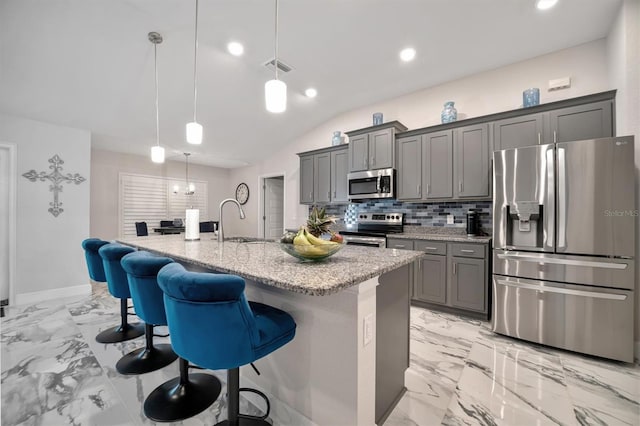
55, 373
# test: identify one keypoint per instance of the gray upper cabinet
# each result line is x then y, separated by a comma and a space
373, 148
306, 179
468, 283
517, 132
471, 161
409, 168
339, 169
358, 153
322, 177
437, 165
590, 121
381, 149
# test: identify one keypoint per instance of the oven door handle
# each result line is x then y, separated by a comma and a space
371, 240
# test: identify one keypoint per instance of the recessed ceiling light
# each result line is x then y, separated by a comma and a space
545, 4
311, 92
235, 48
408, 54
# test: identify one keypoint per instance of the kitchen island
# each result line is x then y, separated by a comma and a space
347, 362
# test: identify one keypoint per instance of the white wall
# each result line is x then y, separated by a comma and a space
49, 254
488, 92
106, 167
623, 48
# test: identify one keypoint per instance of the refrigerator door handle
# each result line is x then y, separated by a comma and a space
562, 199
546, 289
572, 262
549, 213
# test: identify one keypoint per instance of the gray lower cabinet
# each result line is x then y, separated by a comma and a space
518, 132
323, 175
468, 283
590, 121
471, 161
452, 275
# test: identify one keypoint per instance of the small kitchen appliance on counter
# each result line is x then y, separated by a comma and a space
473, 228
372, 229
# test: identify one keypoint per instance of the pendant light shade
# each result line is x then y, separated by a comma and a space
275, 95
157, 154
275, 91
194, 133
194, 129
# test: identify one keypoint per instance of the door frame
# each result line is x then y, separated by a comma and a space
261, 212
13, 181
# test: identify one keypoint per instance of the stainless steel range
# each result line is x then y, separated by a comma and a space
372, 229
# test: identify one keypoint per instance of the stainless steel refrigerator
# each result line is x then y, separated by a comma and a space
564, 245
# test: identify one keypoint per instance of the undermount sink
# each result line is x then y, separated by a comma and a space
245, 240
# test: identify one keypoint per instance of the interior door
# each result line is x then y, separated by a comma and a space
5, 202
596, 199
273, 207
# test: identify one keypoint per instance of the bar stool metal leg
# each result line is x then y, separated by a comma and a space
150, 358
234, 418
182, 397
124, 331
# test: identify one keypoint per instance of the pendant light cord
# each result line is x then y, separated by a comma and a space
155, 60
195, 66
276, 47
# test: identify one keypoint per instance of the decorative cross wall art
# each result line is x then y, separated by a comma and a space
57, 180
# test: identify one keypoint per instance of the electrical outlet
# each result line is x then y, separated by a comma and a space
368, 329
450, 219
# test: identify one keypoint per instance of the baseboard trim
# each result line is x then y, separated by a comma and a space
55, 293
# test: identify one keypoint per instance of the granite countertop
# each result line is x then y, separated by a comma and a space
265, 262
456, 235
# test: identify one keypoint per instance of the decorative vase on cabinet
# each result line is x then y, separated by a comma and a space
449, 113
337, 138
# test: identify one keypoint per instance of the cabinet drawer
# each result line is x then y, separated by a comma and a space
398, 243
431, 247
468, 250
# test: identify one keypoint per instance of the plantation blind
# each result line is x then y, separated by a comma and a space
151, 199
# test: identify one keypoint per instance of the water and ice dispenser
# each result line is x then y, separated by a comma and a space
524, 224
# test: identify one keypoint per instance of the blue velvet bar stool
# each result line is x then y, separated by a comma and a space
142, 269
118, 285
94, 261
213, 326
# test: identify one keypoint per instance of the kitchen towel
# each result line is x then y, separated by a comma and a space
192, 225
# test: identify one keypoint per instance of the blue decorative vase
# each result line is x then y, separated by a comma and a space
336, 139
377, 118
449, 113
531, 97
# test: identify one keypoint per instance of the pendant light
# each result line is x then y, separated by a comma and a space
194, 129
157, 152
275, 91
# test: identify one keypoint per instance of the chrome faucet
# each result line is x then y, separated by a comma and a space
242, 216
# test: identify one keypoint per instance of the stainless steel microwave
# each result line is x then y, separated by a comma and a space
372, 184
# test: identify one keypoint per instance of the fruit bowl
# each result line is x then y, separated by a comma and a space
311, 253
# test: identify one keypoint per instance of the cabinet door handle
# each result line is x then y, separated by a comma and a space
539, 139
364, 162
428, 188
467, 251
334, 194
418, 189
399, 246
460, 186
373, 161
431, 248
311, 195
555, 137
419, 264
329, 195
454, 268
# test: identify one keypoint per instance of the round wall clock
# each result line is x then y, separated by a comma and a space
242, 193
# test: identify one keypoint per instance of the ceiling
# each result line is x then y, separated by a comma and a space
88, 63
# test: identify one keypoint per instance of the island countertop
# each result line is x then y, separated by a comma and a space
265, 262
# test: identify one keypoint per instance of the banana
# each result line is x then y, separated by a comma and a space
301, 240
317, 241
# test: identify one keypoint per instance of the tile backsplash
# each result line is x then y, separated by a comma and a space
420, 214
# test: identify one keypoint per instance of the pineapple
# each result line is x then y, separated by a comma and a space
319, 222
